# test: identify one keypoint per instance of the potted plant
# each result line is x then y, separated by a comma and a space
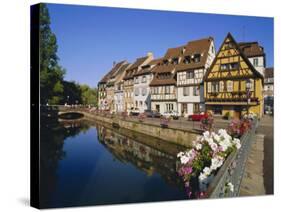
207, 122
164, 122
141, 117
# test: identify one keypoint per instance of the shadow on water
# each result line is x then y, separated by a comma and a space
80, 161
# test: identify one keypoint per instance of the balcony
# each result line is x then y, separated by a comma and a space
234, 96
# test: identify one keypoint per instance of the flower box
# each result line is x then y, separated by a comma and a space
202, 162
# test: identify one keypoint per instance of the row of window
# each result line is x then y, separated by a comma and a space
194, 90
187, 59
229, 66
167, 90
140, 104
143, 91
221, 86
143, 79
169, 107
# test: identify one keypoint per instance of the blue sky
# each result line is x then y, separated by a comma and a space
91, 38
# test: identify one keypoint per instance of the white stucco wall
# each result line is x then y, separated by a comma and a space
163, 106
260, 67
190, 97
119, 101
143, 97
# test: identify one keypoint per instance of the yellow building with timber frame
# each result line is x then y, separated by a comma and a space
232, 85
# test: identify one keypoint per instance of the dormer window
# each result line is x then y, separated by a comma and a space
166, 62
187, 59
256, 62
136, 80
197, 58
228, 45
175, 61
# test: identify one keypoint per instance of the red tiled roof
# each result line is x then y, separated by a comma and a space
134, 67
200, 47
112, 71
156, 81
251, 49
174, 52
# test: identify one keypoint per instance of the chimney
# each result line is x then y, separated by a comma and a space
114, 63
150, 55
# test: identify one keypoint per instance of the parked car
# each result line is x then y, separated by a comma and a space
197, 116
172, 114
152, 114
134, 112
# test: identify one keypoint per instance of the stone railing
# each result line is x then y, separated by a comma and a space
233, 169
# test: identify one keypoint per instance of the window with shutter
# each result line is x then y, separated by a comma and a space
209, 85
186, 91
229, 86
221, 86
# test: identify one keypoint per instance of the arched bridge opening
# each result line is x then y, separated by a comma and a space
70, 115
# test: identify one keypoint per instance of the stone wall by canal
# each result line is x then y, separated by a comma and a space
178, 136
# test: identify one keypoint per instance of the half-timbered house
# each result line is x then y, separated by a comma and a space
106, 88
197, 57
142, 79
118, 88
130, 81
163, 86
232, 85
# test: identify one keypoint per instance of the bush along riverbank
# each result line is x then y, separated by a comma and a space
199, 165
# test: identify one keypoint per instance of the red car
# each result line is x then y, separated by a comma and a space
197, 117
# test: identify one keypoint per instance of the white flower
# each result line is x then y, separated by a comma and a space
198, 146
222, 132
202, 177
206, 134
237, 143
180, 154
210, 141
230, 186
225, 143
223, 147
214, 146
217, 162
207, 171
184, 159
217, 137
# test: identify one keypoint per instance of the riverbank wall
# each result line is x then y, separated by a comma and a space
178, 136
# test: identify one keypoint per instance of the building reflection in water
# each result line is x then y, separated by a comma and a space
149, 155
148, 158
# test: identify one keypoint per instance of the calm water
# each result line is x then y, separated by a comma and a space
88, 164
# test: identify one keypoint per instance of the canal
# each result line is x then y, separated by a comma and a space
85, 163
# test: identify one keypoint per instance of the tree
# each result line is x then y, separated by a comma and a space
51, 74
72, 93
89, 95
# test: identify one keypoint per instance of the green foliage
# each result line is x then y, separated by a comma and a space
89, 95
51, 74
72, 93
197, 166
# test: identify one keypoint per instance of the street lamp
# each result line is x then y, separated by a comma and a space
248, 87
